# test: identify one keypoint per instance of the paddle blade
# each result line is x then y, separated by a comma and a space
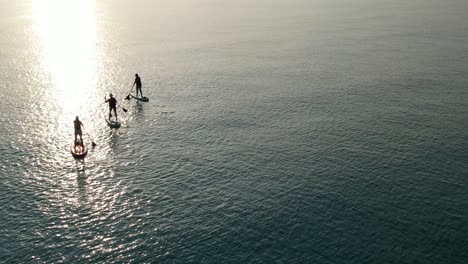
124, 109
128, 97
93, 144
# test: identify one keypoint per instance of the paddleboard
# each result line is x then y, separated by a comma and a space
143, 99
112, 123
78, 150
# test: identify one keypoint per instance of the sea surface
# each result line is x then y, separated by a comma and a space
277, 131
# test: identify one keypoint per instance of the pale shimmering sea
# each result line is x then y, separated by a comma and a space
302, 131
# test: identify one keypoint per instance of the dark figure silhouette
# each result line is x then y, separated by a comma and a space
112, 105
137, 82
77, 123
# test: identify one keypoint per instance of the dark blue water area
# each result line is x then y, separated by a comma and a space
367, 172
302, 132
358, 182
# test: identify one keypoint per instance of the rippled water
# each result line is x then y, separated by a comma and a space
276, 131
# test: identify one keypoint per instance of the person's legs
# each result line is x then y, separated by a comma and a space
81, 137
76, 133
141, 93
110, 113
115, 112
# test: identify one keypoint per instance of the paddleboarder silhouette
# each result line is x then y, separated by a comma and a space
112, 105
137, 82
77, 123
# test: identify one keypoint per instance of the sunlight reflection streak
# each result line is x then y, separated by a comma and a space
67, 34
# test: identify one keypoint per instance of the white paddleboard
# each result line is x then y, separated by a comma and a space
112, 123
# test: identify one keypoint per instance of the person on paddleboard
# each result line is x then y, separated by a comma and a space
137, 82
78, 131
112, 105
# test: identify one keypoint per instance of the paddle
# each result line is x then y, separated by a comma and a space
92, 142
124, 109
128, 96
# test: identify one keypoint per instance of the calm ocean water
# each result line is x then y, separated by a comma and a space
304, 131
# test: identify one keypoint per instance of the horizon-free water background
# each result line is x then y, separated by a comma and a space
304, 131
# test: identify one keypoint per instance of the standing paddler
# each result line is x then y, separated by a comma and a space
112, 106
137, 82
77, 123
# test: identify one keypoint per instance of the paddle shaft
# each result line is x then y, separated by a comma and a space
124, 109
92, 141
131, 89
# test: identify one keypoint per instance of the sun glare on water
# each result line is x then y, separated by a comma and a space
66, 32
